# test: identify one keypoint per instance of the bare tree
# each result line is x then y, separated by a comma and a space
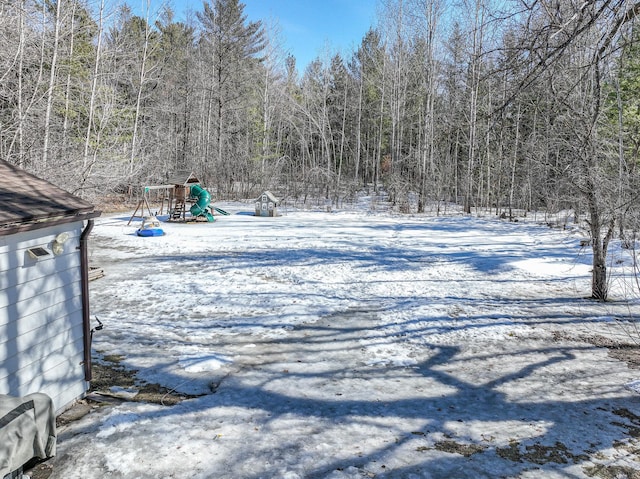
86, 164
428, 13
52, 80
231, 46
582, 37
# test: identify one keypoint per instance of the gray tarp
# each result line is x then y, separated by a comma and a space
27, 430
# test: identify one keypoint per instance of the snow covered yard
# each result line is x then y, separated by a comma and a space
352, 345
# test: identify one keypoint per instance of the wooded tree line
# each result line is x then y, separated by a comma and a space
528, 104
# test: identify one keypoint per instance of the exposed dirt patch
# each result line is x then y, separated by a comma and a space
511, 452
540, 454
38, 471
612, 472
627, 351
454, 447
110, 375
630, 422
629, 354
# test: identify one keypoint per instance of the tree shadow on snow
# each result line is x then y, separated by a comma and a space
447, 415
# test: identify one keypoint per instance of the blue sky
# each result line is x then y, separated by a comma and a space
308, 27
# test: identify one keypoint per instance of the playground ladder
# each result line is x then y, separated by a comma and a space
178, 210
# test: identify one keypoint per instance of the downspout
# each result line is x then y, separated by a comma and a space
84, 280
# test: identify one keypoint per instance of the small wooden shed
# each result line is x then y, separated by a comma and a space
267, 205
45, 330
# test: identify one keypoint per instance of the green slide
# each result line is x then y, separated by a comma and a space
201, 206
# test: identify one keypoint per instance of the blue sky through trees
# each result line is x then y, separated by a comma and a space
308, 27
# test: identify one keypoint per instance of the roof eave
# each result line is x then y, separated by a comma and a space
31, 225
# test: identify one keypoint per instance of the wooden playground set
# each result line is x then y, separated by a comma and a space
182, 193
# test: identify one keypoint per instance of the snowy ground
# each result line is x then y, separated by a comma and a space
350, 345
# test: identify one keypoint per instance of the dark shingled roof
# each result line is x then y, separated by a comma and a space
27, 199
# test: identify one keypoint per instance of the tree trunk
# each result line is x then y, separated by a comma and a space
20, 132
512, 187
599, 246
94, 91
67, 93
141, 80
50, 90
359, 127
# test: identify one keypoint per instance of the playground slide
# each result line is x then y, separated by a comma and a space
201, 206
222, 212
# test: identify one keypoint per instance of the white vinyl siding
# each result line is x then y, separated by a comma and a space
41, 335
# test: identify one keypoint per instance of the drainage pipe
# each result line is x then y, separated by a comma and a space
84, 280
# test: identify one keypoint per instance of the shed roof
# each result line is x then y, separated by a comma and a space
29, 202
183, 178
270, 196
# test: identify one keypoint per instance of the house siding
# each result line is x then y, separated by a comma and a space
41, 333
